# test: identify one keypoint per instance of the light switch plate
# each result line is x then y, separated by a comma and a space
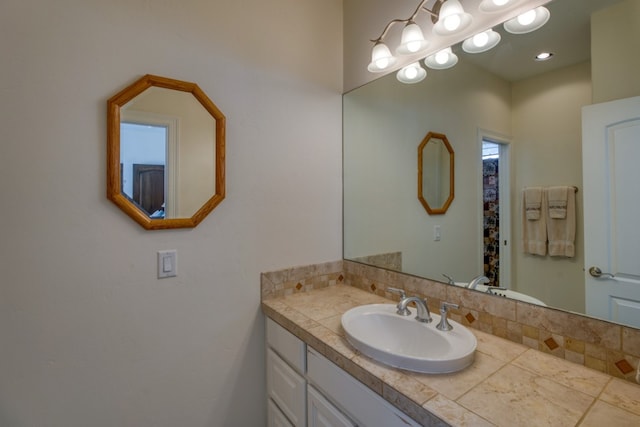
167, 263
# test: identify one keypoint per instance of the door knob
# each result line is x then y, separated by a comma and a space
597, 273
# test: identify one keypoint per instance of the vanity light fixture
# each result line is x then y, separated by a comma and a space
528, 21
441, 60
412, 73
481, 42
412, 40
448, 18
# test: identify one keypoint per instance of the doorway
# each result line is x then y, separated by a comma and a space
496, 223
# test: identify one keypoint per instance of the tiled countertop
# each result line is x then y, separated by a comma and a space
507, 385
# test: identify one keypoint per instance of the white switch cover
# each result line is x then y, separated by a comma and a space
167, 264
437, 233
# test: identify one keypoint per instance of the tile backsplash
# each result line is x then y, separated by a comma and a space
604, 346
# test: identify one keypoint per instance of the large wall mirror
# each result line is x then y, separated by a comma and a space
516, 122
166, 148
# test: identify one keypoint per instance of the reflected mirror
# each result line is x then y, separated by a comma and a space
166, 145
515, 122
435, 173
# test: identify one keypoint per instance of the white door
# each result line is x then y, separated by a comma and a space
611, 183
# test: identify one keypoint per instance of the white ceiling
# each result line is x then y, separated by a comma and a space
567, 35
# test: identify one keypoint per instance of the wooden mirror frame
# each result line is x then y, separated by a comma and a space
114, 190
443, 209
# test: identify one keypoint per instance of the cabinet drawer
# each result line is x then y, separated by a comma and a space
286, 388
322, 413
287, 345
356, 400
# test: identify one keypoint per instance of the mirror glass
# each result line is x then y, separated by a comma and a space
514, 122
166, 142
435, 173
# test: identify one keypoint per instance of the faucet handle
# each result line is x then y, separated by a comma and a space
444, 324
450, 280
445, 306
398, 291
401, 311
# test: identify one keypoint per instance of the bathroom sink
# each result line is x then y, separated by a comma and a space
402, 342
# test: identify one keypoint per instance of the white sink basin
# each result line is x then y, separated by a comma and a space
402, 342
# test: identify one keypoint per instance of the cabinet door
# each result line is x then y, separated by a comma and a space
322, 413
287, 388
275, 417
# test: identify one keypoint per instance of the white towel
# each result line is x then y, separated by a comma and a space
557, 201
562, 231
534, 232
533, 203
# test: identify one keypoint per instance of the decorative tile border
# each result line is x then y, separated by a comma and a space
604, 346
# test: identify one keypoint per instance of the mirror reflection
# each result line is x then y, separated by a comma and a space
521, 126
166, 142
435, 173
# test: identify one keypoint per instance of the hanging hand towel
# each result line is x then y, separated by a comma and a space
557, 201
562, 231
534, 232
533, 202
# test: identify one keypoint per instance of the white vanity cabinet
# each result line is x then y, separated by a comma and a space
306, 389
286, 384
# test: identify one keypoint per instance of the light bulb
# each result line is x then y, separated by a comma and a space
411, 73
452, 22
413, 46
527, 18
382, 63
442, 57
528, 21
481, 39
500, 2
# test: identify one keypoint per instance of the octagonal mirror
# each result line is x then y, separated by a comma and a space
435, 173
165, 153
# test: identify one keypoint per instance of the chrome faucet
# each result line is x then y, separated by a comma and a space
450, 280
424, 315
478, 279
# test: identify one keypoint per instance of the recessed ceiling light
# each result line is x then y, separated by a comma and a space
544, 56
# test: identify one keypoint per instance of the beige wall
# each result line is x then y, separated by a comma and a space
615, 35
89, 336
547, 147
